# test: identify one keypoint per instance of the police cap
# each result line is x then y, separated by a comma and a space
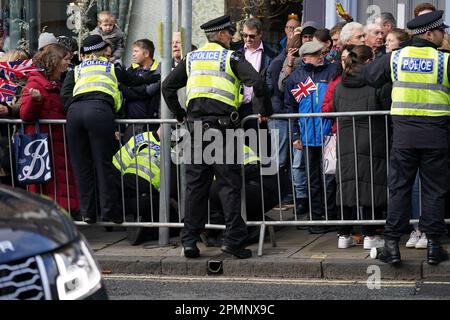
218, 24
93, 43
427, 22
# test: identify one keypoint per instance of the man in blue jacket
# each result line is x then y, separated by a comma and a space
305, 90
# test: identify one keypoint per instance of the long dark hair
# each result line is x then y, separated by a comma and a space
357, 57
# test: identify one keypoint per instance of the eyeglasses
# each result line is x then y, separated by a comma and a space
251, 36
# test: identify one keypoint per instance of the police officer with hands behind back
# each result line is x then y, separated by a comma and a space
420, 117
91, 96
213, 76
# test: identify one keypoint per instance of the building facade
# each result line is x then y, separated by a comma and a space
25, 19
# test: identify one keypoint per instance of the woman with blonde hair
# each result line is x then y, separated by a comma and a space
41, 100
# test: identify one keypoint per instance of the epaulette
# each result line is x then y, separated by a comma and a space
236, 56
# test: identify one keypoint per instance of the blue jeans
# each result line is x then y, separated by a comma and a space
280, 146
300, 177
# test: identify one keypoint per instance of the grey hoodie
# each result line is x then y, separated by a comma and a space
115, 38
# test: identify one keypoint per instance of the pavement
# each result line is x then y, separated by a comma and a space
297, 255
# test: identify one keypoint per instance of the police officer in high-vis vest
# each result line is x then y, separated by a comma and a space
420, 117
92, 97
213, 76
138, 164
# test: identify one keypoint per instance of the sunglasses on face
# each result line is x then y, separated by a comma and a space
251, 36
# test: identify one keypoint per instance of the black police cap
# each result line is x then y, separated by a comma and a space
93, 43
218, 24
427, 22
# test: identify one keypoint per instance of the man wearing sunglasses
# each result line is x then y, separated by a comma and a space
260, 56
213, 76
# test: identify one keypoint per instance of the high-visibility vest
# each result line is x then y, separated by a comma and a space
154, 66
420, 83
210, 76
250, 157
140, 156
97, 76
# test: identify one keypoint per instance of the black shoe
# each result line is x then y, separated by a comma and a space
76, 216
191, 252
435, 253
302, 217
322, 229
116, 220
90, 220
241, 253
390, 253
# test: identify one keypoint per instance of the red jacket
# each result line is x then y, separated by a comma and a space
50, 107
327, 105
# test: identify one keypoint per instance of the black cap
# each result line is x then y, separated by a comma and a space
93, 43
427, 22
309, 27
218, 24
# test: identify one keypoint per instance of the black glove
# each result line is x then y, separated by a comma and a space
151, 77
181, 115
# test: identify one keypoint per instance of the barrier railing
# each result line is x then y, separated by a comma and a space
325, 208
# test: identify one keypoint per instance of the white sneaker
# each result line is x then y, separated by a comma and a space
373, 242
413, 239
422, 242
345, 242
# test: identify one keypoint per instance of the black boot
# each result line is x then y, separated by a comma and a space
390, 253
435, 253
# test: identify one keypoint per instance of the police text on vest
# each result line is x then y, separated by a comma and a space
419, 65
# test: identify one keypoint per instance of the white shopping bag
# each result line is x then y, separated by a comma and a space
329, 155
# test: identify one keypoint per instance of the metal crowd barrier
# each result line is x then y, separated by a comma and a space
279, 215
291, 217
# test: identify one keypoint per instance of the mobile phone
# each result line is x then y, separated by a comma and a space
340, 8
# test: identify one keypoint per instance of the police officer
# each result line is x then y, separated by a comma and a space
138, 161
213, 76
420, 117
91, 96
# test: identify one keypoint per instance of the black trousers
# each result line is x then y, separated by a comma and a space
199, 178
312, 164
434, 175
253, 198
350, 213
90, 134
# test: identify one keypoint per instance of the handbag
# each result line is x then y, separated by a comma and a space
329, 155
32, 157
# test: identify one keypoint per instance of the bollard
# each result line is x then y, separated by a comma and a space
215, 267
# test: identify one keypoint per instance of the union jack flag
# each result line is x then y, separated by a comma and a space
16, 69
304, 89
7, 92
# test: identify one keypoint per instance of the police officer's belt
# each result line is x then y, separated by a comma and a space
218, 122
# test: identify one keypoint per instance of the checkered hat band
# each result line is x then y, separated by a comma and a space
429, 27
95, 47
218, 28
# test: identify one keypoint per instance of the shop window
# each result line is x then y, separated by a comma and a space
272, 13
